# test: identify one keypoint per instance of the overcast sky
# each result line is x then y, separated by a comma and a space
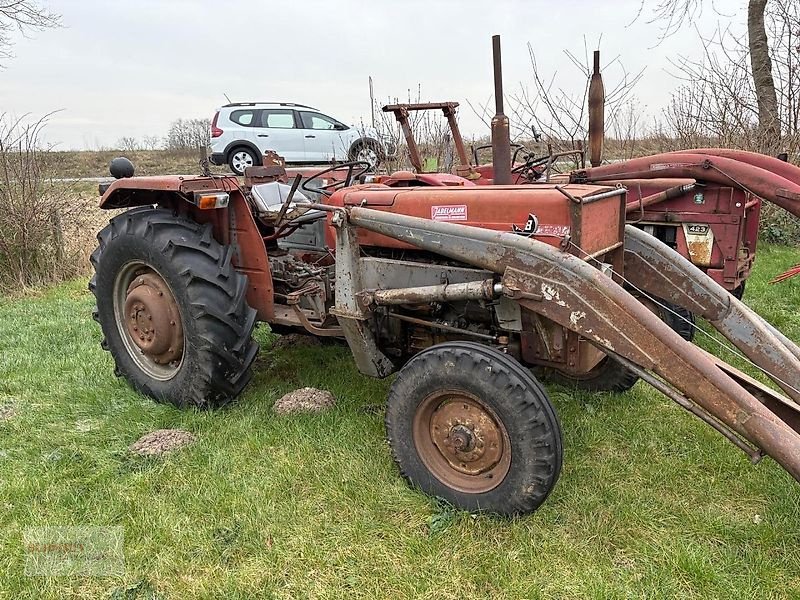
129, 68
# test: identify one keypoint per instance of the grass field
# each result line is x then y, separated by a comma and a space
651, 503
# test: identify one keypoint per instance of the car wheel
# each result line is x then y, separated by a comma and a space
367, 151
241, 158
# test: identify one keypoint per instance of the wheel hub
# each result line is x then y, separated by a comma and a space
467, 436
152, 319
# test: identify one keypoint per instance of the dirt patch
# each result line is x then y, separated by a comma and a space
304, 400
7, 412
296, 340
161, 441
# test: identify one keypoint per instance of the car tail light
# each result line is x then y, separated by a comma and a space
215, 131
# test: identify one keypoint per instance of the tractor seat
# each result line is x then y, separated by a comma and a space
269, 199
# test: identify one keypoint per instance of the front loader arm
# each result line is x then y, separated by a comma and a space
569, 291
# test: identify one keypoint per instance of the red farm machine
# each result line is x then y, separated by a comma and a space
463, 291
704, 203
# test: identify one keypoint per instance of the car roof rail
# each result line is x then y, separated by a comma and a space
293, 104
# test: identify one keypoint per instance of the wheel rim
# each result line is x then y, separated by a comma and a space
149, 320
241, 160
368, 155
461, 441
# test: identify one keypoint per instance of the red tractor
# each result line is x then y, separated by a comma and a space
703, 203
463, 291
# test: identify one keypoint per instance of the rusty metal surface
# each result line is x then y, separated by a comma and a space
449, 110
768, 163
140, 191
442, 327
501, 133
461, 442
348, 310
659, 270
153, 320
447, 292
674, 191
718, 169
786, 409
597, 119
575, 295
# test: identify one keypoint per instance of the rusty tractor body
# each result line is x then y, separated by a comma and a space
467, 292
704, 203
463, 290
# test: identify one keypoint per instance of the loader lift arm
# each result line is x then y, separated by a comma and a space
571, 292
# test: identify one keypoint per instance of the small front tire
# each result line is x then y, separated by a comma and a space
469, 424
368, 151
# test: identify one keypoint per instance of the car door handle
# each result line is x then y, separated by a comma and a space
263, 135
311, 136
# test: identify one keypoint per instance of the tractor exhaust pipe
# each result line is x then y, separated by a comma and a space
597, 117
501, 136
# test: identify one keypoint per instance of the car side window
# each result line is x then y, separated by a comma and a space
277, 118
317, 121
243, 117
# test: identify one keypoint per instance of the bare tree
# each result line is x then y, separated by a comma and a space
189, 134
675, 13
128, 144
719, 101
40, 218
151, 142
23, 16
557, 112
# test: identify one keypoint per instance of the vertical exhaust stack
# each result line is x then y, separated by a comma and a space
597, 116
501, 135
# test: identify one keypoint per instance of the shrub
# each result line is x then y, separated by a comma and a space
39, 216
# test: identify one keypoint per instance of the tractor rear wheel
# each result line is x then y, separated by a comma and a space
609, 375
172, 309
471, 425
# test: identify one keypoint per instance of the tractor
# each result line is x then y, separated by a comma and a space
461, 292
704, 203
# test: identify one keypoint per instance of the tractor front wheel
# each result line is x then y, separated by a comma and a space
172, 309
471, 425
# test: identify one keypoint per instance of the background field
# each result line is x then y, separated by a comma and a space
651, 503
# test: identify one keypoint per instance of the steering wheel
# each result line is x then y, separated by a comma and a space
476, 149
355, 169
528, 167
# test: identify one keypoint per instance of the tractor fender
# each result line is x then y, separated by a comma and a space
232, 226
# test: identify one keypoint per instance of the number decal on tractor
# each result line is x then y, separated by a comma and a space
531, 225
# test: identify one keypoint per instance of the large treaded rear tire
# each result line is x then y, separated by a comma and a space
506, 391
218, 349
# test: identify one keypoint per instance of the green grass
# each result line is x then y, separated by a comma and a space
651, 503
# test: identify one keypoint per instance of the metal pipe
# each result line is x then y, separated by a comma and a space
755, 454
501, 134
701, 167
602, 195
661, 196
597, 117
450, 328
472, 290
